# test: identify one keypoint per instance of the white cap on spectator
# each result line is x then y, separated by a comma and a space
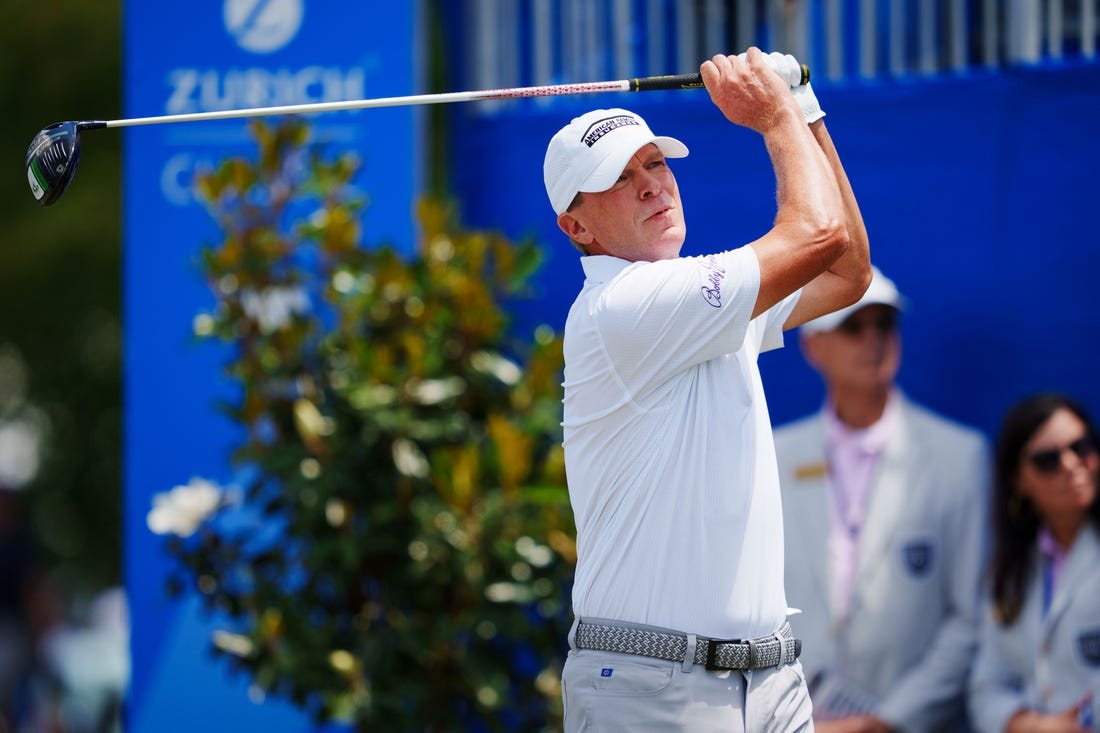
881, 291
590, 152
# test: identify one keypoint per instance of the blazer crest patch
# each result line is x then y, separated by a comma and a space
1089, 644
917, 556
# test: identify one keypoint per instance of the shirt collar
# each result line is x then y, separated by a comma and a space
1049, 546
601, 268
871, 439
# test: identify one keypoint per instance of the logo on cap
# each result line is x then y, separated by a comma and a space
601, 127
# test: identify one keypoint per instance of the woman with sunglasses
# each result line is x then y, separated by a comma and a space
1038, 665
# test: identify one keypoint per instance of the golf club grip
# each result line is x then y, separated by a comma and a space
677, 81
689, 81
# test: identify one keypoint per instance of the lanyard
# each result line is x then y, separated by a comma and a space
1048, 583
1084, 713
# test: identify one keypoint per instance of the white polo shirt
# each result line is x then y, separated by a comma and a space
668, 446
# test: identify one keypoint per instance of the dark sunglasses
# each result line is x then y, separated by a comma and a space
884, 323
1050, 461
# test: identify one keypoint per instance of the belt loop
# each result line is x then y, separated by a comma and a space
788, 645
689, 655
573, 632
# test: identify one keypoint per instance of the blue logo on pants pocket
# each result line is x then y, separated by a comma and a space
606, 672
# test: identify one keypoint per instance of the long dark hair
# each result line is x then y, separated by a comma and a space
1015, 521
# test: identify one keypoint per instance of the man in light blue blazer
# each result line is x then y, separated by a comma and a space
884, 507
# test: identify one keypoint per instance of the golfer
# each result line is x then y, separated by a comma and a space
680, 614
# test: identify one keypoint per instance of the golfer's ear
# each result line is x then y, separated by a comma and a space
573, 229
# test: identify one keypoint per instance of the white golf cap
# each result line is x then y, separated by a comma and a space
881, 291
590, 152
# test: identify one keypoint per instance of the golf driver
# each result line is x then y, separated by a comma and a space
54, 152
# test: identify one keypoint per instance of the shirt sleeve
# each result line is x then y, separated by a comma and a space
657, 319
772, 320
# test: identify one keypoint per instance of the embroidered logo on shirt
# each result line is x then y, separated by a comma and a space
713, 275
918, 557
1089, 643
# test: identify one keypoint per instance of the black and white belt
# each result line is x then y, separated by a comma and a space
716, 654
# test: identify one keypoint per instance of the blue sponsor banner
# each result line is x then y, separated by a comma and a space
197, 57
975, 193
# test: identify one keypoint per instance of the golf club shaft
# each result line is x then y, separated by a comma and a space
656, 82
644, 84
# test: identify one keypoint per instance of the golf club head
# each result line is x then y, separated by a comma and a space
51, 160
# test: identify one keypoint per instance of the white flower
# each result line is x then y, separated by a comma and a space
181, 510
20, 452
236, 644
273, 307
503, 369
409, 459
434, 391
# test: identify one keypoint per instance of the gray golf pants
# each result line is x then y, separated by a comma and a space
607, 691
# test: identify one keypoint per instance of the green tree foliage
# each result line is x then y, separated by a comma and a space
401, 552
60, 335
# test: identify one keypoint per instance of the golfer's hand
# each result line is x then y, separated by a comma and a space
749, 93
852, 724
1029, 721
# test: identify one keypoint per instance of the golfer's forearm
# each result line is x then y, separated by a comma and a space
809, 234
855, 263
810, 207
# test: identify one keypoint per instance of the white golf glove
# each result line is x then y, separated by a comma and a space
807, 102
790, 71
784, 64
